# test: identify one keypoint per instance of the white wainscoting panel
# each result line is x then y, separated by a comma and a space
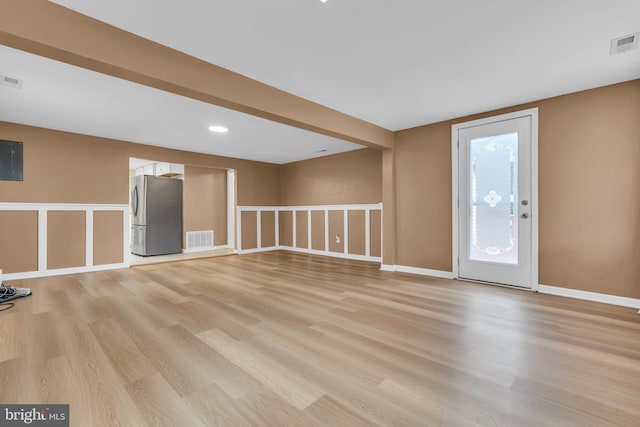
367, 208
88, 209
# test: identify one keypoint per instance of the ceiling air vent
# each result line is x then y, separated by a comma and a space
625, 43
11, 82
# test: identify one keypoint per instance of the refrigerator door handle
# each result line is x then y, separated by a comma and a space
135, 201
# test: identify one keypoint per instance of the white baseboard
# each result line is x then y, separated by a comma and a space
332, 254
590, 296
302, 250
418, 271
312, 252
193, 250
208, 248
257, 250
62, 271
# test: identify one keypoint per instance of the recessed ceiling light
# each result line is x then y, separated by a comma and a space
323, 1
218, 129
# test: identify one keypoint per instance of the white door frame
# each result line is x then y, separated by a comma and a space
231, 209
533, 113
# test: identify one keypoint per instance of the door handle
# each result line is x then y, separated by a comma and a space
135, 201
524, 215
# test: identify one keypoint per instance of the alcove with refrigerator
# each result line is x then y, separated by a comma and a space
156, 205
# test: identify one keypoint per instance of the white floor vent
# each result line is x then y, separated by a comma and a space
199, 241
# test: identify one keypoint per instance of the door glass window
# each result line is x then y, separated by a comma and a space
493, 199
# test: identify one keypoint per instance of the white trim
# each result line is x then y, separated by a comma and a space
533, 113
304, 251
326, 230
382, 236
231, 202
535, 223
200, 249
10, 206
88, 246
256, 250
345, 233
367, 208
239, 246
63, 271
330, 254
126, 231
43, 210
418, 271
373, 206
367, 232
295, 228
207, 248
259, 229
42, 239
590, 296
276, 225
455, 200
309, 246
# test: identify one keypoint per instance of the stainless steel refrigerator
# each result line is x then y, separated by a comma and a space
156, 208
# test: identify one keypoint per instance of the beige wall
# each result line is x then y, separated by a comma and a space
423, 197
285, 227
107, 238
268, 229
249, 230
62, 167
205, 201
375, 227
589, 150
336, 228
317, 231
346, 178
19, 241
356, 227
66, 239
354, 177
302, 230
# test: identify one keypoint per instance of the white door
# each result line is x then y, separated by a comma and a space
495, 204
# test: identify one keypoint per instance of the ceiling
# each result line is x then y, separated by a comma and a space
397, 64
59, 96
401, 63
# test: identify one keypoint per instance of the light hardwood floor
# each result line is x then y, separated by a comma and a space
280, 339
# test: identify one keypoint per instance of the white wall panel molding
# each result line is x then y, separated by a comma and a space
43, 209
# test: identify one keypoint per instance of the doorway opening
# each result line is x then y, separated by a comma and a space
206, 210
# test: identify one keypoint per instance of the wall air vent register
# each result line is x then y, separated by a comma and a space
10, 82
624, 44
